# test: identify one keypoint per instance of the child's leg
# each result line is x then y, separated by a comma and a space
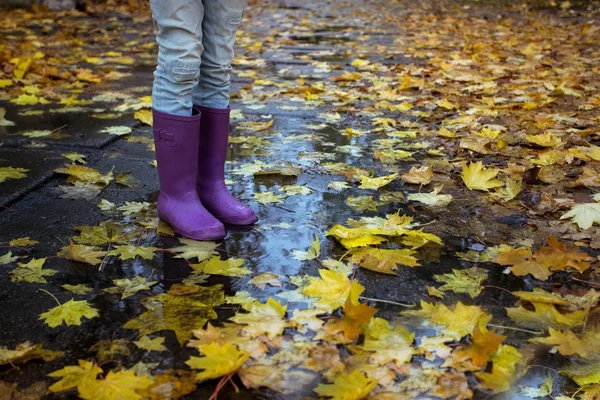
221, 20
175, 128
180, 50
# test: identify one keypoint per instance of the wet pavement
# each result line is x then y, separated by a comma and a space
297, 68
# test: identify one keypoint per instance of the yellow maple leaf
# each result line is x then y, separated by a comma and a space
463, 281
546, 316
522, 263
460, 321
376, 183
333, 288
26, 351
355, 314
545, 140
584, 215
74, 375
218, 360
85, 174
195, 249
22, 66
263, 318
148, 344
483, 344
129, 287
354, 237
22, 242
567, 343
384, 260
82, 253
506, 368
387, 344
122, 385
70, 313
418, 175
269, 197
145, 116
510, 190
31, 272
476, 177
216, 266
353, 386
12, 173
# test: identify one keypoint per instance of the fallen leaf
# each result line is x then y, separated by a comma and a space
70, 313
129, 287
347, 386
217, 361
476, 177
216, 266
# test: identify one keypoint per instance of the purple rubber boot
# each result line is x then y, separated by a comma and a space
214, 134
176, 140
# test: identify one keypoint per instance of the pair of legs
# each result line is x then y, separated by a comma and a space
191, 115
195, 39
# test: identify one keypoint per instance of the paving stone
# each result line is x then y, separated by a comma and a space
40, 164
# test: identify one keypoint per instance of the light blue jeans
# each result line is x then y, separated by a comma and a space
195, 49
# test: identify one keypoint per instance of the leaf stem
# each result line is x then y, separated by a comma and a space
387, 301
515, 329
105, 257
51, 295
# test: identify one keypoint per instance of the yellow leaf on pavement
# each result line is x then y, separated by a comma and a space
376, 183
333, 288
122, 385
421, 175
544, 140
263, 318
568, 343
353, 386
463, 281
26, 351
145, 116
388, 344
148, 344
218, 360
129, 252
31, 272
129, 287
546, 316
476, 177
74, 375
82, 253
584, 215
384, 260
195, 249
460, 321
506, 368
12, 173
70, 313
216, 266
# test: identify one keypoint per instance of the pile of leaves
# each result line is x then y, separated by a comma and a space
477, 129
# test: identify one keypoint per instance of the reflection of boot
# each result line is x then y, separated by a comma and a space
176, 139
214, 133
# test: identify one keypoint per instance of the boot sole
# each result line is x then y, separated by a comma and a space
237, 222
216, 236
